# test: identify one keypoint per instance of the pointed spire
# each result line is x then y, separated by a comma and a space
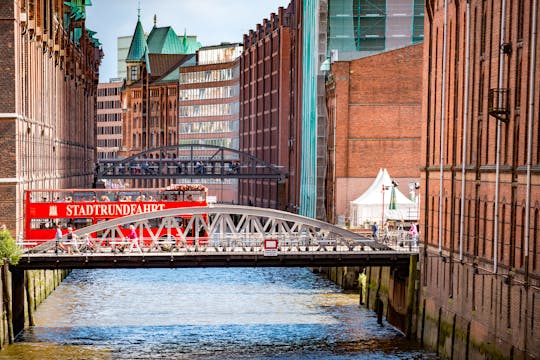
139, 11
155, 20
138, 43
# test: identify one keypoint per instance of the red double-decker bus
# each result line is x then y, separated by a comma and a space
78, 208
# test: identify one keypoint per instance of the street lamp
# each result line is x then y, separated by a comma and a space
384, 188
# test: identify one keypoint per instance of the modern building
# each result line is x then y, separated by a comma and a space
109, 119
208, 103
48, 86
342, 30
480, 215
270, 107
150, 97
374, 110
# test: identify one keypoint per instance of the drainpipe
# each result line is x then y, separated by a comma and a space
443, 104
465, 125
498, 145
532, 69
334, 155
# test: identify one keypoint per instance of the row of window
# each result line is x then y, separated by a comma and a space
220, 92
109, 117
209, 127
108, 104
109, 143
109, 130
208, 110
108, 92
209, 76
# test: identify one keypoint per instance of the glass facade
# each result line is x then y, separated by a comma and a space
219, 55
210, 93
358, 28
208, 110
209, 76
208, 127
231, 143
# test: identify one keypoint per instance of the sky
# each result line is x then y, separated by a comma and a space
212, 21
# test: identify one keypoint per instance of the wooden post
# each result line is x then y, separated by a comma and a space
6, 292
30, 297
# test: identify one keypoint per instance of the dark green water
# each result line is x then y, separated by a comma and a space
237, 313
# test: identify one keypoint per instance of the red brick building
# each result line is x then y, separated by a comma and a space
47, 101
150, 97
374, 115
481, 181
270, 107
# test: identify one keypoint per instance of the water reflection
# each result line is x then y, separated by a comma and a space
241, 313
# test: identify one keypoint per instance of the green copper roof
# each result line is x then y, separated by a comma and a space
163, 40
138, 44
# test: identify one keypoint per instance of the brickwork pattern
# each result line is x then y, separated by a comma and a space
374, 105
491, 296
47, 106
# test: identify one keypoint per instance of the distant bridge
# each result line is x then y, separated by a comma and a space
218, 236
188, 161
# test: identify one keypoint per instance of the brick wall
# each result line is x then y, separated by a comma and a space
376, 105
477, 277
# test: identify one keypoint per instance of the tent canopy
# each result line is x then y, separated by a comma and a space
369, 205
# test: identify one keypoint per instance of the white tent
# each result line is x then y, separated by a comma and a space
368, 207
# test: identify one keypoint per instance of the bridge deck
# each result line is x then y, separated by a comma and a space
214, 259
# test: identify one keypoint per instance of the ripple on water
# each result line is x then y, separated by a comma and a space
205, 314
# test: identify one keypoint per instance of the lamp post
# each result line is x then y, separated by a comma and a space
384, 188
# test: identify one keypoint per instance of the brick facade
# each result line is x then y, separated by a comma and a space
47, 103
480, 265
374, 107
270, 103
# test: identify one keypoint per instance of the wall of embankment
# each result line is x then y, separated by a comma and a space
389, 291
22, 292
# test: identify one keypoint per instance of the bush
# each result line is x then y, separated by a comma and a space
9, 251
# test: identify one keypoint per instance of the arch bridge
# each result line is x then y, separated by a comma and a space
188, 161
217, 236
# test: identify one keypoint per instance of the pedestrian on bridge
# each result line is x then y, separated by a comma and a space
375, 230
134, 239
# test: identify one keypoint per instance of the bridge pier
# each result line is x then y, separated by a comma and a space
22, 291
18, 300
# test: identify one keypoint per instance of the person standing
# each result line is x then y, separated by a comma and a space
413, 232
375, 230
133, 239
72, 241
57, 238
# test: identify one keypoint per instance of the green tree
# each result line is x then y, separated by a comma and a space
10, 252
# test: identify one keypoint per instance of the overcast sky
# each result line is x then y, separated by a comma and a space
212, 21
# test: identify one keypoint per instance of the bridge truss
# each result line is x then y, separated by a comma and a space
217, 236
188, 161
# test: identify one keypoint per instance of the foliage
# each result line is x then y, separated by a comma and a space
10, 252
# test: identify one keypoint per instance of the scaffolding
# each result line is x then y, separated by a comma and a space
359, 28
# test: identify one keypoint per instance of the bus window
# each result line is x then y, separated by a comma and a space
81, 223
41, 224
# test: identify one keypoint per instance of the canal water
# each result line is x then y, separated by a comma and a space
233, 313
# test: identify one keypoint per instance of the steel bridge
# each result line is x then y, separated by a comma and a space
188, 161
217, 236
